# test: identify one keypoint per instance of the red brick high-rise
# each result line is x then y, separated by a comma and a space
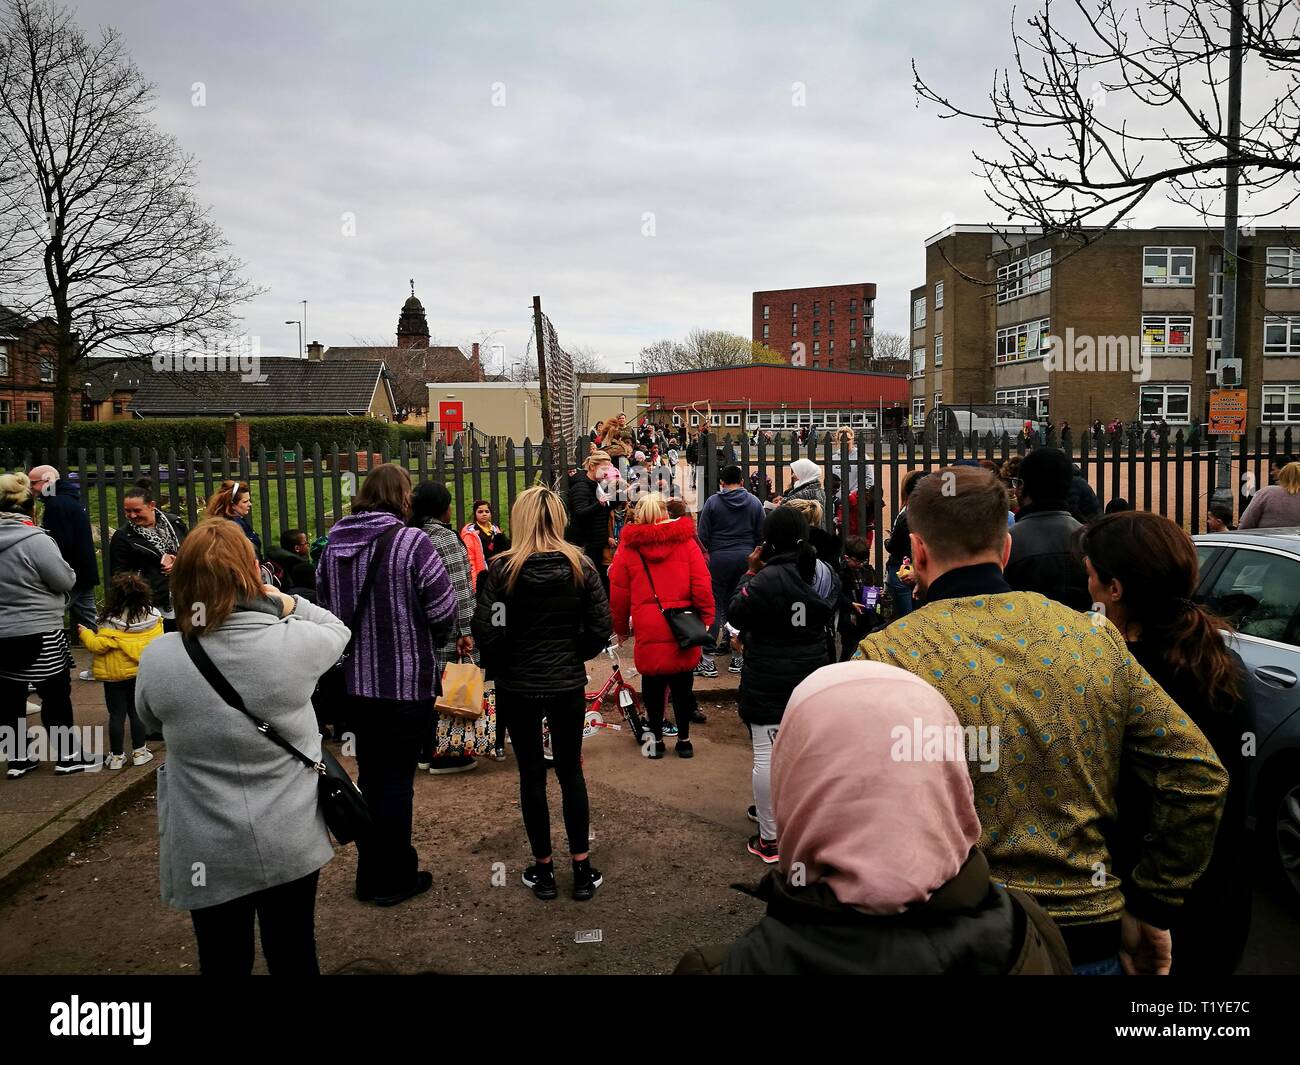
834, 323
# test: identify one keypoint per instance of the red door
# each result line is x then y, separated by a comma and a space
451, 418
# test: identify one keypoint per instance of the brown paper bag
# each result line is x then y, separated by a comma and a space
462, 691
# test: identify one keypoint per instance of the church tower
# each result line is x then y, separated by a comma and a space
412, 325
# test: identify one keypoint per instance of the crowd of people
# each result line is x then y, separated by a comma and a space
1089, 822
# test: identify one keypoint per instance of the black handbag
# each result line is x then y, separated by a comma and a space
687, 627
341, 802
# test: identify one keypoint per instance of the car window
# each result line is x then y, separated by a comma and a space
1205, 554
1258, 592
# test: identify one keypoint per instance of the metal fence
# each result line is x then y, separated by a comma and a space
308, 489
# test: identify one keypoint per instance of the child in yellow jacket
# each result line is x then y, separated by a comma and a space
128, 623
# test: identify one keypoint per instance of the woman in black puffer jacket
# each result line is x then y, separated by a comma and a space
541, 612
782, 623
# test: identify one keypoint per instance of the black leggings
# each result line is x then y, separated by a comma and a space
564, 712
655, 689
286, 917
119, 697
56, 712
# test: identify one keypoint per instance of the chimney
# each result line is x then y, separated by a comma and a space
315, 351
476, 367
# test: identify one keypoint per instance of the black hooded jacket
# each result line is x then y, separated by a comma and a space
64, 517
782, 622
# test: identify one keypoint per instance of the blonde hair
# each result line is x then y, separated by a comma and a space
537, 522
15, 491
215, 568
650, 508
810, 509
595, 459
1289, 478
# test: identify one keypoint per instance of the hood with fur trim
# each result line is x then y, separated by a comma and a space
661, 540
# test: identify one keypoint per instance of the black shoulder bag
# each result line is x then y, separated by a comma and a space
341, 801
331, 684
687, 627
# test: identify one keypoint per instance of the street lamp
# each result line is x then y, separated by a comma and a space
631, 363
295, 321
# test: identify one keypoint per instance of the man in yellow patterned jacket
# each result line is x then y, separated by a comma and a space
1057, 704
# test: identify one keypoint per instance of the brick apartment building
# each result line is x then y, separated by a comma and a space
27, 369
1158, 292
835, 323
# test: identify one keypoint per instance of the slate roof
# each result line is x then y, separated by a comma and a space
440, 362
292, 386
101, 377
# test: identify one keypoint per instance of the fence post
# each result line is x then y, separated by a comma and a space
318, 491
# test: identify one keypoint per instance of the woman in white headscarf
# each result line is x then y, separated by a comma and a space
879, 870
806, 482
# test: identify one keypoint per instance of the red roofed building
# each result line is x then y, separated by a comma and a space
777, 397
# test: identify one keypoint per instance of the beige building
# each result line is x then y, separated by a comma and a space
1148, 297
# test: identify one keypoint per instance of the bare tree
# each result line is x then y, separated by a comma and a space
110, 241
584, 357
1107, 104
889, 347
704, 349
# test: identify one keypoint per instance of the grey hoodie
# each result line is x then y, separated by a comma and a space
34, 579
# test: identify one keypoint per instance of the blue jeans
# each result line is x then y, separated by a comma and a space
83, 609
898, 591
1106, 967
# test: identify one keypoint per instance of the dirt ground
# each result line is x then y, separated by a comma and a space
668, 835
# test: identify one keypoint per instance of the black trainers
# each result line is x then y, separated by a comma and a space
763, 848
684, 749
586, 880
423, 881
20, 768
670, 729
657, 749
541, 878
737, 664
73, 765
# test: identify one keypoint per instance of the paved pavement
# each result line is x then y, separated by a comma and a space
43, 815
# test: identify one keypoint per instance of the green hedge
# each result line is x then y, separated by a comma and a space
192, 435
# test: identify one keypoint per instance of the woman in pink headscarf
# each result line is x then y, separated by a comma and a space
879, 869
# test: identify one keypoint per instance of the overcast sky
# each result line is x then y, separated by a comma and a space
385, 110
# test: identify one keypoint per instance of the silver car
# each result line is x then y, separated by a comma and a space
1252, 579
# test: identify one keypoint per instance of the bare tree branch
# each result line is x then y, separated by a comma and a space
102, 229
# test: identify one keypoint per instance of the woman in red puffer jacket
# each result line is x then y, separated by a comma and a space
668, 547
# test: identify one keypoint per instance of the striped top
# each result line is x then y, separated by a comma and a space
412, 606
54, 658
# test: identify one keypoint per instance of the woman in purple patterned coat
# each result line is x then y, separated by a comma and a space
391, 672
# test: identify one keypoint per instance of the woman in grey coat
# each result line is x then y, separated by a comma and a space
240, 828
36, 582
